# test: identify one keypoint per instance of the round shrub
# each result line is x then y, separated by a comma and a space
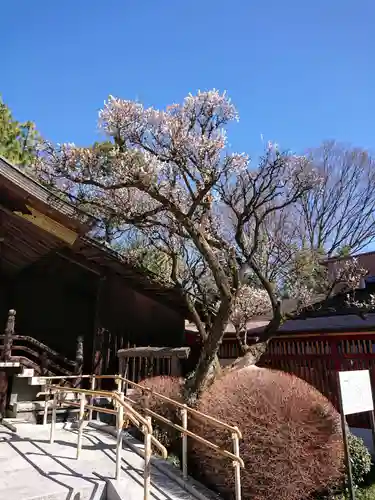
292, 443
360, 459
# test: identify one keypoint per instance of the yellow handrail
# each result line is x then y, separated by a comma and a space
238, 463
108, 394
197, 413
138, 419
133, 415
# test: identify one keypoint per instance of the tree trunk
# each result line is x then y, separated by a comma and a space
242, 344
252, 356
255, 352
208, 365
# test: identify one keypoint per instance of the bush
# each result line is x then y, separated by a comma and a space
170, 387
360, 459
292, 443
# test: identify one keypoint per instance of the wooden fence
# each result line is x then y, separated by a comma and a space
137, 363
316, 358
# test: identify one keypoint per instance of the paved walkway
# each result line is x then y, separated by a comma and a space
31, 468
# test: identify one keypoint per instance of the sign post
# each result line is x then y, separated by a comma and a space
355, 396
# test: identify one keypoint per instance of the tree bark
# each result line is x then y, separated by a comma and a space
208, 365
254, 352
242, 344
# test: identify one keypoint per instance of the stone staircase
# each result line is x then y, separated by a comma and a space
26, 404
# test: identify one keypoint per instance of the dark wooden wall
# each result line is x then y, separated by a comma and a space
137, 318
5, 300
58, 301
55, 306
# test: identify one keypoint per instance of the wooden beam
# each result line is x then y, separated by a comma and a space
154, 352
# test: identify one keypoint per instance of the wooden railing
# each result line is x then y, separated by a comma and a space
32, 353
128, 403
138, 363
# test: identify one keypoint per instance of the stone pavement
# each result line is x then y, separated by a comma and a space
33, 469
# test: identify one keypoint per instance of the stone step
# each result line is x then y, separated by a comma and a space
10, 364
26, 373
37, 381
33, 411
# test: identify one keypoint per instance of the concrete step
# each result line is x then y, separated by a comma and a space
33, 411
10, 364
26, 373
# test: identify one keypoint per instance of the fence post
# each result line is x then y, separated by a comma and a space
184, 418
9, 332
237, 466
147, 470
92, 387
175, 366
53, 418
80, 428
125, 374
119, 424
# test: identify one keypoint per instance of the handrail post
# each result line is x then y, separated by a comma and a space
119, 424
237, 466
147, 469
45, 413
92, 388
184, 419
80, 428
119, 384
53, 419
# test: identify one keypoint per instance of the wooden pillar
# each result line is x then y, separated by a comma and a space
78, 369
98, 333
44, 363
8, 340
6, 357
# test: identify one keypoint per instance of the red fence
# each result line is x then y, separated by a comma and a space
317, 359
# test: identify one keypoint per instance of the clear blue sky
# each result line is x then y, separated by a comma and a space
298, 71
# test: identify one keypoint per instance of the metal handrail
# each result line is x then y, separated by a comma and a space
238, 463
63, 377
199, 414
105, 394
143, 423
133, 415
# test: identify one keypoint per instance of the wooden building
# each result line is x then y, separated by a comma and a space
63, 285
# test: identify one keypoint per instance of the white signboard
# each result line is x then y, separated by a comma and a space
356, 392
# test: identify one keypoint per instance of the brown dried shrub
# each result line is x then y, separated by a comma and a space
170, 387
291, 446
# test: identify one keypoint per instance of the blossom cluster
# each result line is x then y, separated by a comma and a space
250, 302
350, 273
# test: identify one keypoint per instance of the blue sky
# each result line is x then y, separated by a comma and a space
298, 71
